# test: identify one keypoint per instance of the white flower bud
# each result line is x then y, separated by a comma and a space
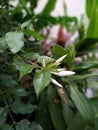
56, 83
63, 73
43, 63
60, 59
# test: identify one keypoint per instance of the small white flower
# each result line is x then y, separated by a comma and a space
60, 59
63, 73
56, 83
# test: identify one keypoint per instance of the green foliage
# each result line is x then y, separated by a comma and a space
41, 80
33, 33
25, 69
35, 92
82, 104
3, 45
92, 12
49, 7
14, 41
55, 109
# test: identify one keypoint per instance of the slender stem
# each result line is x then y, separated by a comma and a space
7, 106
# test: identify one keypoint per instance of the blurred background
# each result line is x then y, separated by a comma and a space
74, 7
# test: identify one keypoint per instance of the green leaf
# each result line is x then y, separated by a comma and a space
95, 107
33, 33
92, 12
16, 91
93, 128
49, 7
7, 80
90, 4
92, 31
46, 59
77, 123
86, 65
94, 102
66, 109
70, 51
36, 126
22, 108
82, 76
23, 125
3, 45
42, 113
25, 69
55, 109
9, 68
7, 127
82, 104
57, 48
3, 116
41, 80
26, 24
14, 41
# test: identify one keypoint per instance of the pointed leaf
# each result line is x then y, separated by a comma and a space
58, 48
42, 113
92, 31
92, 12
66, 109
14, 41
49, 7
77, 123
25, 69
55, 109
82, 104
33, 33
41, 80
89, 9
46, 59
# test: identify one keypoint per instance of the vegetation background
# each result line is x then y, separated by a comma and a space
44, 78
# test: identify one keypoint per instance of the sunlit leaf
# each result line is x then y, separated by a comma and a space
14, 41
46, 59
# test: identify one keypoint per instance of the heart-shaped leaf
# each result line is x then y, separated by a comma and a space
14, 41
